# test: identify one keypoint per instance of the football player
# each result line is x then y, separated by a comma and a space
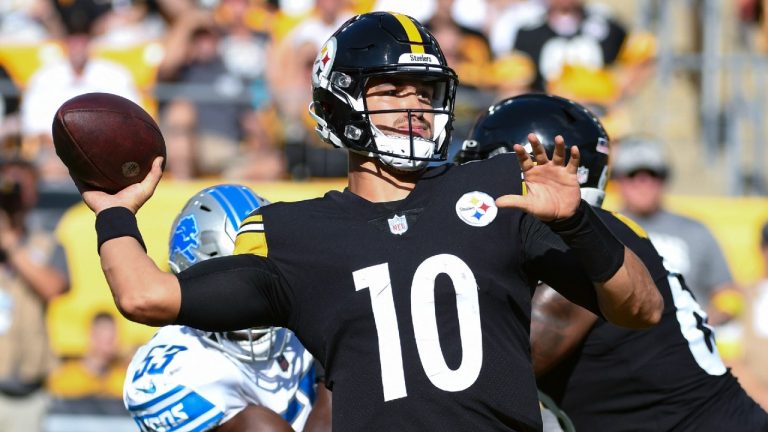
669, 377
413, 285
186, 379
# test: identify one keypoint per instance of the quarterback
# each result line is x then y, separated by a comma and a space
412, 287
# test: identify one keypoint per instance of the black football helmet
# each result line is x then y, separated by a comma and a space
510, 121
374, 45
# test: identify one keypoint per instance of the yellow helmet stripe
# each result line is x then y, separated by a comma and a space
412, 32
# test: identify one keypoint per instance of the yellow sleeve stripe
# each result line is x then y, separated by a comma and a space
251, 227
251, 238
254, 243
412, 32
634, 226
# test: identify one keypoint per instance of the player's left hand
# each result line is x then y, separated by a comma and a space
552, 188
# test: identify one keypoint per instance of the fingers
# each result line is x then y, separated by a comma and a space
155, 173
573, 163
148, 186
523, 157
512, 201
558, 156
539, 153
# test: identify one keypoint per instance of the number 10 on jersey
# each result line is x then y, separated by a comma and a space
376, 279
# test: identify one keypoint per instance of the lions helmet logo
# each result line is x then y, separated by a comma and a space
185, 238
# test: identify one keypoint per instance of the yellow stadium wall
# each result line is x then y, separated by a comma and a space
735, 222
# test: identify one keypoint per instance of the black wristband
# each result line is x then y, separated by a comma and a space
600, 252
116, 222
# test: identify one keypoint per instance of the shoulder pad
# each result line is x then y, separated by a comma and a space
634, 226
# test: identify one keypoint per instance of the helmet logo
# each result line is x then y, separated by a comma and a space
185, 238
398, 225
418, 58
476, 208
321, 68
582, 174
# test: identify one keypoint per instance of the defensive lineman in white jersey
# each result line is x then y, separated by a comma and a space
186, 379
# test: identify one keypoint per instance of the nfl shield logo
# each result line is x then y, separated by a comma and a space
398, 225
582, 175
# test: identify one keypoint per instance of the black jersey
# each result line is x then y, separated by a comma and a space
419, 309
669, 377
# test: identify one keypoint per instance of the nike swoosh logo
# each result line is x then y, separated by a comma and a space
149, 390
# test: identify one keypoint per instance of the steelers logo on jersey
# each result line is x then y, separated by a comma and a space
476, 208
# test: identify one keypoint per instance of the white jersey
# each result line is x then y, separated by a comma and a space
176, 383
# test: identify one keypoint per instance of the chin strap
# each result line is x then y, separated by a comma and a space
322, 129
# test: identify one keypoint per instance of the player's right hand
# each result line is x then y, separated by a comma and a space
132, 197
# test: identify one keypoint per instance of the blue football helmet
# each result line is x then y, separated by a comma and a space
206, 228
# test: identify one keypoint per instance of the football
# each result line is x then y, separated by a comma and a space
106, 141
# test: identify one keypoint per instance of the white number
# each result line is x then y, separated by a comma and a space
377, 280
694, 327
425, 324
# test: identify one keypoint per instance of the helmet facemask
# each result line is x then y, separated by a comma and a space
251, 345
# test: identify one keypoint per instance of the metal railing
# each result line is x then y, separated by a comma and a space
732, 113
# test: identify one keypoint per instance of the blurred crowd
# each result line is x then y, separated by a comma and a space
228, 82
227, 79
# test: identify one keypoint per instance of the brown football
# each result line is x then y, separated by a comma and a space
106, 141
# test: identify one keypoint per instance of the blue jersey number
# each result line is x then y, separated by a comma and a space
158, 358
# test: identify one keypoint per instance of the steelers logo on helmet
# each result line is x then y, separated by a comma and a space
391, 47
476, 208
321, 68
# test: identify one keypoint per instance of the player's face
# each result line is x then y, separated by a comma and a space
388, 93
